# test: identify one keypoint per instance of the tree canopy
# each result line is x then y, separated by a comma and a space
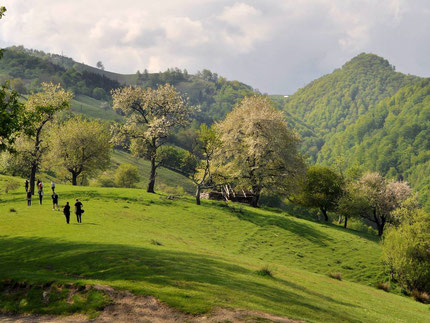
258, 150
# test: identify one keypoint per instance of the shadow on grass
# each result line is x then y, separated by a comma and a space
180, 278
263, 219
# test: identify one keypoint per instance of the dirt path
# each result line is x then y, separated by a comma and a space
131, 308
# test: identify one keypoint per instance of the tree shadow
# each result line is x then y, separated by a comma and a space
177, 274
263, 219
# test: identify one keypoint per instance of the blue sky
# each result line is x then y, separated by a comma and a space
275, 46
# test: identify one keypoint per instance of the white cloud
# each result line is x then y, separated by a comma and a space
273, 45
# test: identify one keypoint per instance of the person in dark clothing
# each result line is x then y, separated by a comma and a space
66, 211
40, 196
55, 201
78, 211
28, 197
26, 185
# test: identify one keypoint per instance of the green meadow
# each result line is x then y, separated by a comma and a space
194, 258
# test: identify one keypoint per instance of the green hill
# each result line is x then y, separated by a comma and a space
194, 258
392, 138
333, 102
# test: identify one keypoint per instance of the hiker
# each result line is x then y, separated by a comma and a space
78, 210
40, 196
28, 197
39, 185
53, 187
26, 185
66, 211
55, 201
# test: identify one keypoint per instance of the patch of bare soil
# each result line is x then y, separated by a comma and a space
128, 307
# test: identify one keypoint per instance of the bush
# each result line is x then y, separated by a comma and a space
422, 297
383, 286
265, 271
11, 185
406, 253
105, 180
337, 276
126, 175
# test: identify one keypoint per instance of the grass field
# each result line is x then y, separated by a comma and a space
91, 107
198, 258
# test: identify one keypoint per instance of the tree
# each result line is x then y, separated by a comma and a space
406, 252
151, 116
40, 111
322, 188
206, 144
382, 198
82, 148
100, 65
11, 117
126, 175
258, 150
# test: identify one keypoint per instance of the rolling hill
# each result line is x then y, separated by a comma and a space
195, 259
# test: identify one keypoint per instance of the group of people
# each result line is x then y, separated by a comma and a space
66, 209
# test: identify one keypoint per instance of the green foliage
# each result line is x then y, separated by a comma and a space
406, 253
322, 188
11, 185
11, 116
126, 175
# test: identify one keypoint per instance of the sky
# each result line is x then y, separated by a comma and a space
276, 46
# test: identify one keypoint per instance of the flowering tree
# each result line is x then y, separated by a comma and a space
151, 116
40, 111
258, 150
381, 197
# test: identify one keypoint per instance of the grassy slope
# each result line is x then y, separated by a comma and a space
164, 176
91, 107
209, 256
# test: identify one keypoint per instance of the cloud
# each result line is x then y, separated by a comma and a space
276, 46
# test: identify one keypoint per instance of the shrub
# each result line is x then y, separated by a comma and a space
265, 271
406, 253
337, 276
105, 180
11, 185
126, 175
383, 286
422, 297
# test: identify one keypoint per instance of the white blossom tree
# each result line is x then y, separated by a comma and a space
258, 150
151, 116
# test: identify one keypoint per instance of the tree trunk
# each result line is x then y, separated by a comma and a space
74, 179
198, 190
33, 177
256, 196
346, 221
324, 212
151, 183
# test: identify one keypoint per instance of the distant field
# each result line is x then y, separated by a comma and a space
196, 258
91, 107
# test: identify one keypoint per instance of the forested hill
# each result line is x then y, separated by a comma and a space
26, 69
335, 101
393, 138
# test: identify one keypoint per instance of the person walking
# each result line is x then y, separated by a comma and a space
55, 201
26, 185
53, 187
40, 196
39, 185
28, 197
66, 211
78, 211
